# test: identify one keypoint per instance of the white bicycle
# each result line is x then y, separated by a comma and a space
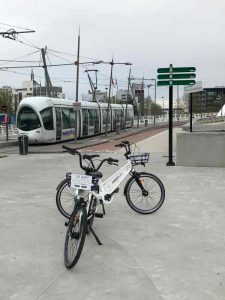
78, 196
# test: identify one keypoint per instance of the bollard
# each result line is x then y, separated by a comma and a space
117, 129
23, 144
146, 123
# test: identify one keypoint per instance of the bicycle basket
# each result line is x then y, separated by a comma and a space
139, 159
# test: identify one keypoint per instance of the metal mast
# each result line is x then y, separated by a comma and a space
77, 85
49, 89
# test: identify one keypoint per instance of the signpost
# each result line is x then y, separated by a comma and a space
176, 70
76, 105
176, 82
170, 77
177, 76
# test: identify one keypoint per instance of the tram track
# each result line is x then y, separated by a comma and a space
93, 143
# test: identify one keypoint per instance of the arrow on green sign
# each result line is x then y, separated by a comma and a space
176, 82
177, 70
177, 76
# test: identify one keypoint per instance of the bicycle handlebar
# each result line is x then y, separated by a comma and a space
126, 145
72, 151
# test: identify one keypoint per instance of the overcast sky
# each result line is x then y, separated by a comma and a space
150, 34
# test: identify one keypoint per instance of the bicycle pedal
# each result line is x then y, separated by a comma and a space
99, 215
66, 223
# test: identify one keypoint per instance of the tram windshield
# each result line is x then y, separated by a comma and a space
27, 119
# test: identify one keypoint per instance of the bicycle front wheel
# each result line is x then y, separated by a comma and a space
75, 236
91, 213
65, 198
145, 194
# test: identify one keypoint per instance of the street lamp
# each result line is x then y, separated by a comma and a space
112, 63
222, 102
106, 94
78, 63
149, 100
89, 62
163, 103
128, 90
154, 79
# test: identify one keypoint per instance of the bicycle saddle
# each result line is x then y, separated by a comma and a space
96, 174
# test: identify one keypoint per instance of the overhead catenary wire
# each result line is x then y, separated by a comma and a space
14, 26
31, 44
59, 57
50, 65
35, 66
66, 53
21, 57
26, 44
19, 61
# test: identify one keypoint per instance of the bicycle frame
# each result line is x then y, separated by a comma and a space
109, 185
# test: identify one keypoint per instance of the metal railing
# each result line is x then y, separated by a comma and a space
8, 132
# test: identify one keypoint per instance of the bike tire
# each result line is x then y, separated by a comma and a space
65, 198
145, 204
75, 236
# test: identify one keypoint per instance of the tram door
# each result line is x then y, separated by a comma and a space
58, 123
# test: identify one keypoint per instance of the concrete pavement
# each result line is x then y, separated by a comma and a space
176, 253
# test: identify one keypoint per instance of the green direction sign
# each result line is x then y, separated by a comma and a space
177, 76
176, 82
177, 70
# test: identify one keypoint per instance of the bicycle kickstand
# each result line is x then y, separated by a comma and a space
103, 207
96, 237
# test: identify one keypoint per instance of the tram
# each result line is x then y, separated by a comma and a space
49, 120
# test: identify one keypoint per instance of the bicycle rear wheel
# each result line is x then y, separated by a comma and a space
149, 198
75, 236
65, 198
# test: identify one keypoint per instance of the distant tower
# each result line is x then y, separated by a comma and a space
32, 75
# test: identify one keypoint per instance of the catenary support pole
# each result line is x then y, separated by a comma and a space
77, 88
108, 108
128, 90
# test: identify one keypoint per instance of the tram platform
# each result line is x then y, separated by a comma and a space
84, 142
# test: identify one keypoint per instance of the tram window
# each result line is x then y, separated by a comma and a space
91, 117
128, 118
66, 118
96, 117
85, 121
104, 114
47, 118
72, 117
27, 119
117, 116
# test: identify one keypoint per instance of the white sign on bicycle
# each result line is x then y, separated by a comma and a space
83, 182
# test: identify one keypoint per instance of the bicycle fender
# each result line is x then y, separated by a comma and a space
61, 183
126, 185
